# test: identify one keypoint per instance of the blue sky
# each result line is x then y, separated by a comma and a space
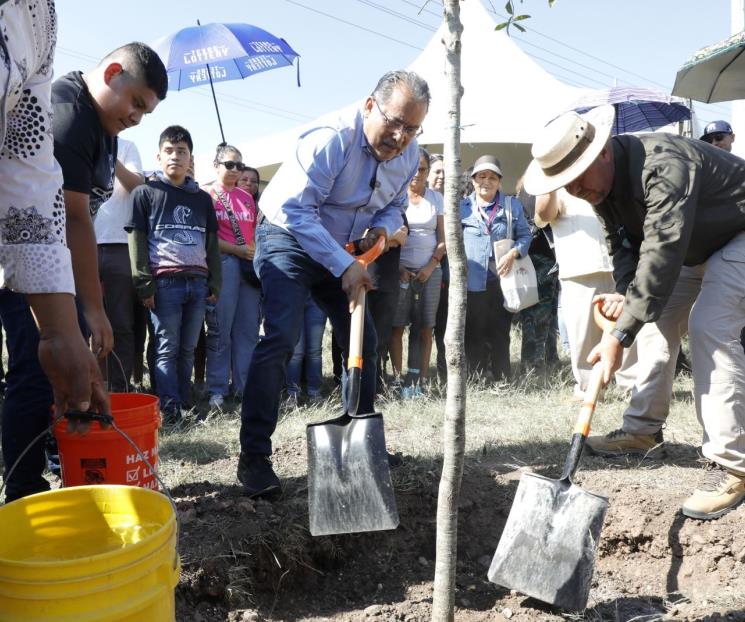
345, 45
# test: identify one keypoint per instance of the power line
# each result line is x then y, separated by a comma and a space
402, 16
343, 21
76, 54
522, 38
574, 80
545, 60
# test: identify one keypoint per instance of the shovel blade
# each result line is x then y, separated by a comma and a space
349, 480
547, 548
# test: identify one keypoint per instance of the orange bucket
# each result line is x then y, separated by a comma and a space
104, 456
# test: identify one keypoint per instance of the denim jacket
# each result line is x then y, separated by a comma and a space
478, 240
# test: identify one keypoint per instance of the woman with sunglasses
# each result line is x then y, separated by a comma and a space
233, 321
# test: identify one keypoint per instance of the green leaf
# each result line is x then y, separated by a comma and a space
520, 17
519, 27
508, 7
501, 26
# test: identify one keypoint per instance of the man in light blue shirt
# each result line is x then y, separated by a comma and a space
341, 183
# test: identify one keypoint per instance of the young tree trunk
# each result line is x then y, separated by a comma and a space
454, 431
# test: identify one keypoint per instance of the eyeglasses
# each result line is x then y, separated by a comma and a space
411, 131
718, 137
230, 165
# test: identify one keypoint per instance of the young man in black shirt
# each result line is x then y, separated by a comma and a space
89, 110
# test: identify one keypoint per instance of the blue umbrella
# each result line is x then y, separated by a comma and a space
211, 53
637, 109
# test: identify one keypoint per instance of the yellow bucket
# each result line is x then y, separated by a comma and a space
89, 553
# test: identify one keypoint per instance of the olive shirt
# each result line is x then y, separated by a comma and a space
674, 202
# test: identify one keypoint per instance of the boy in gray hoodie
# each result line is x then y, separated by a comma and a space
175, 264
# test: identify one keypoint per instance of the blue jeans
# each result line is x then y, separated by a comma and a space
287, 275
232, 329
308, 349
28, 398
177, 319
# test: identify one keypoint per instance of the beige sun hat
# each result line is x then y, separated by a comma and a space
566, 147
487, 163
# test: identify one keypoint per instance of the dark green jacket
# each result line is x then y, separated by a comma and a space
674, 202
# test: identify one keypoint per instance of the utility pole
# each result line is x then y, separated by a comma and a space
737, 24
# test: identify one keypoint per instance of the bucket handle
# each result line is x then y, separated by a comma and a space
121, 370
104, 419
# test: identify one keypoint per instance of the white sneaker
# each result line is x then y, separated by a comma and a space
216, 401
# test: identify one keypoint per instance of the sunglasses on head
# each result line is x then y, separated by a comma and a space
230, 165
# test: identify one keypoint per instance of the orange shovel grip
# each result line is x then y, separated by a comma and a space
371, 254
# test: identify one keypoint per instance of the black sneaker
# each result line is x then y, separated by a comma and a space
394, 460
172, 416
257, 476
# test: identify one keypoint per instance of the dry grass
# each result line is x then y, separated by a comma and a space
524, 424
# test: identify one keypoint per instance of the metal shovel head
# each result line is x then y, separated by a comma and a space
349, 480
547, 548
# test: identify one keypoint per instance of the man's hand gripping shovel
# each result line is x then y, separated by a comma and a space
349, 480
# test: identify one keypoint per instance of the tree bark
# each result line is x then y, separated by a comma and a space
454, 429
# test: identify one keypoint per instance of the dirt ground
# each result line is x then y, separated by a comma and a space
246, 560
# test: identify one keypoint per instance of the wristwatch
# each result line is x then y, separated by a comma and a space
624, 337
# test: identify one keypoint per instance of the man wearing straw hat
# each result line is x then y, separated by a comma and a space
665, 203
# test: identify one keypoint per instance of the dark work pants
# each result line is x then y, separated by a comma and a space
441, 321
288, 275
382, 306
538, 321
121, 303
488, 326
28, 399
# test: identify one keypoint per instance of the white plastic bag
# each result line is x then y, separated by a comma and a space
520, 284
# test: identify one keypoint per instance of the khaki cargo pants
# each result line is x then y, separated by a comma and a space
709, 302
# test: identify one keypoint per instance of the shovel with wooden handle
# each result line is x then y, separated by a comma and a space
547, 549
349, 479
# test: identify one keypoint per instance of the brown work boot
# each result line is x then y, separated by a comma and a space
720, 492
621, 443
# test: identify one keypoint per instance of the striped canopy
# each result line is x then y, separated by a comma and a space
637, 109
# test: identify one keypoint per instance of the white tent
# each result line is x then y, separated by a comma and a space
507, 98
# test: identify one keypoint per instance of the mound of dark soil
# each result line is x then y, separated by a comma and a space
245, 560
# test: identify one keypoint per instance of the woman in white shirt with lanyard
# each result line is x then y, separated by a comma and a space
421, 276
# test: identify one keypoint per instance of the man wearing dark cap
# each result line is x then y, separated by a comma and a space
666, 202
719, 134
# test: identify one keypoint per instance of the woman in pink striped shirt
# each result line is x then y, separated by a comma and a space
233, 321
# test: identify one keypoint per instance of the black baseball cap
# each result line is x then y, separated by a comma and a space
716, 127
